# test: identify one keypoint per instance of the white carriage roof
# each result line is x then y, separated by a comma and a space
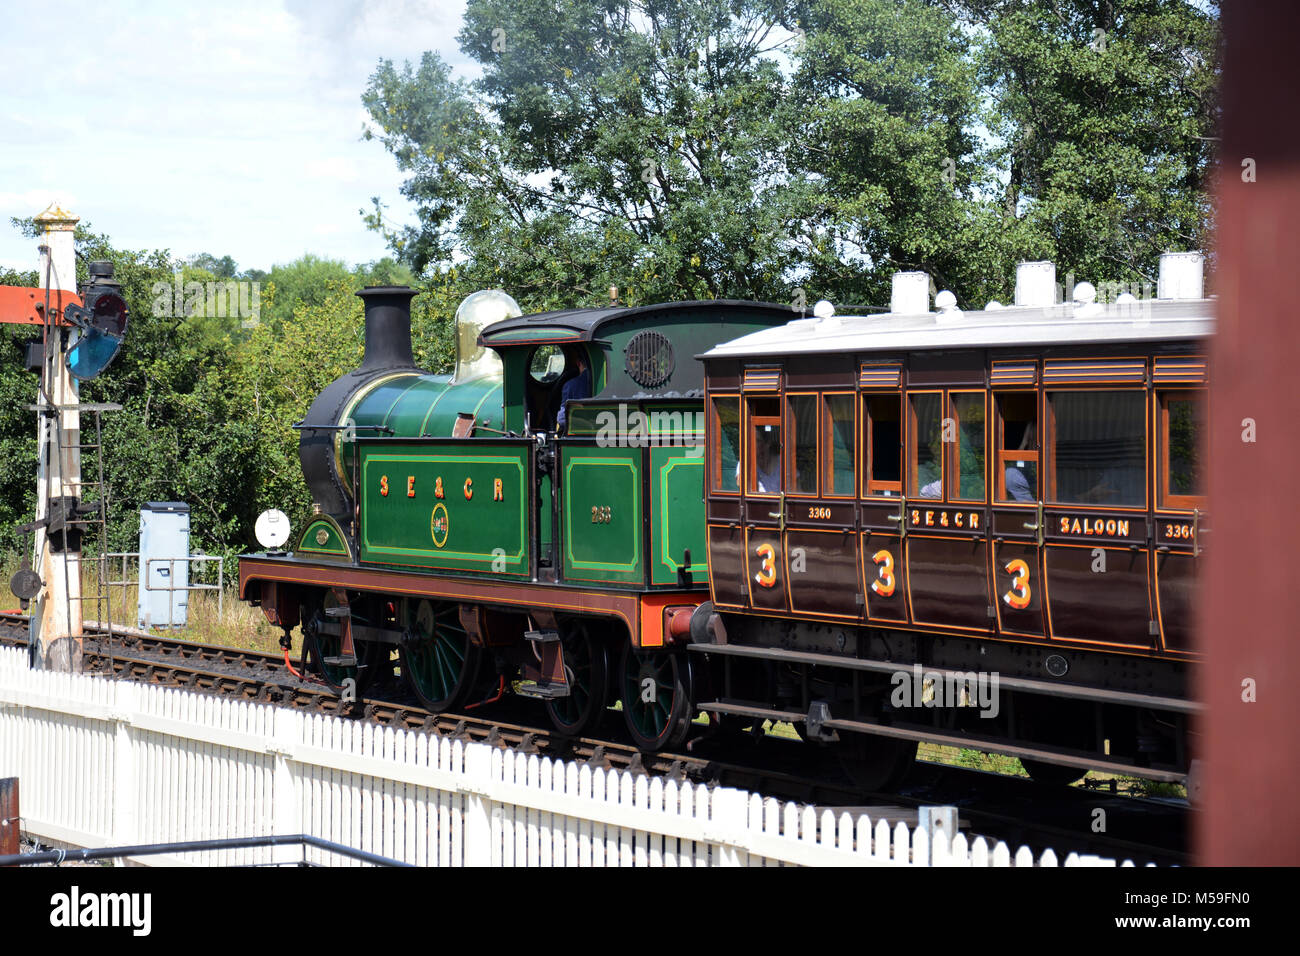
1069, 323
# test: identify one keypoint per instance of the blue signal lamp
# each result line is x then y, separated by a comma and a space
101, 319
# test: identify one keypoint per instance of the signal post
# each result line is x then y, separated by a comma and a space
56, 614
54, 577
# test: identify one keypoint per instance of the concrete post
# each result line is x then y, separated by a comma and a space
56, 616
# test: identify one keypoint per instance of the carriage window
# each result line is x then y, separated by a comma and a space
763, 451
1182, 424
1098, 448
882, 422
839, 445
726, 456
926, 479
968, 410
1017, 437
801, 451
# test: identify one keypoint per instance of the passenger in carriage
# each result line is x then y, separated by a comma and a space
1019, 487
767, 463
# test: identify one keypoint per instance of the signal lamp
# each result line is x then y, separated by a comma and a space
102, 319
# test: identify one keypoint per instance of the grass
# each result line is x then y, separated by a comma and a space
970, 759
1010, 766
228, 622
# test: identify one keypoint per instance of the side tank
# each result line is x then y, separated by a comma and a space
388, 395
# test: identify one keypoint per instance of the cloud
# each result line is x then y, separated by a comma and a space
236, 132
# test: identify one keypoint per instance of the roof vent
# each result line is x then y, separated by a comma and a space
1182, 276
910, 294
1036, 284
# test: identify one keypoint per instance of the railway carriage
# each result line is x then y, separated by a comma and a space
906, 504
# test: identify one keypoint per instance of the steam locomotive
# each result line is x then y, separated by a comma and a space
979, 529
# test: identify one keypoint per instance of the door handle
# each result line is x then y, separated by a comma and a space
780, 514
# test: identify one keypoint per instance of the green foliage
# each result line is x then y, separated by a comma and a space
208, 404
697, 148
595, 153
1106, 115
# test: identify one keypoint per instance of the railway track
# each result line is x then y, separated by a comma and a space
1014, 810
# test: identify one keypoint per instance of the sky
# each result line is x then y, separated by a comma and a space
232, 128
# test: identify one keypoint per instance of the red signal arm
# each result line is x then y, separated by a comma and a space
22, 305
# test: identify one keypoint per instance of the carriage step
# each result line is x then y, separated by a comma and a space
542, 637
341, 611
350, 661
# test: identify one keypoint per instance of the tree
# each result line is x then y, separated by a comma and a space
638, 144
889, 108
706, 148
1105, 116
223, 268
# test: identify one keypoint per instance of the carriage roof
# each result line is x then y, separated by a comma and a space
1070, 323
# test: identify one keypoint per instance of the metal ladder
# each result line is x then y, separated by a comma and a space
89, 515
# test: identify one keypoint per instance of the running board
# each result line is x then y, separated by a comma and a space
1047, 755
1028, 685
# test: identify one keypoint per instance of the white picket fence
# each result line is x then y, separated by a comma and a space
114, 763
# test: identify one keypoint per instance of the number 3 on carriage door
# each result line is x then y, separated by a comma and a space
766, 576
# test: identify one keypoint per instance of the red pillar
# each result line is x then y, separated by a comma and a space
1250, 588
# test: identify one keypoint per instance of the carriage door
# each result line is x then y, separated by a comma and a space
1017, 508
764, 498
726, 528
883, 514
1180, 497
947, 511
820, 533
1096, 538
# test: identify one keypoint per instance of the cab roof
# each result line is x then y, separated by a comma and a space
583, 325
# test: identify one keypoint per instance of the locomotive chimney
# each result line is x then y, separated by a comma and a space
388, 327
